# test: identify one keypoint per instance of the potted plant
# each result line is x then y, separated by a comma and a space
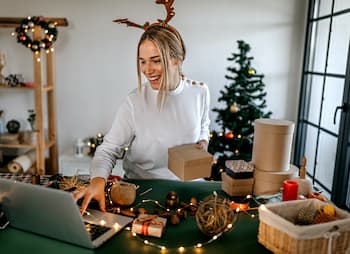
31, 118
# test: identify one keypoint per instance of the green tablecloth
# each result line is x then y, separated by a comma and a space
242, 238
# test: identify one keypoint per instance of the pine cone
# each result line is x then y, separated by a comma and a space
306, 215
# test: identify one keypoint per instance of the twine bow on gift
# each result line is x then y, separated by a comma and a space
147, 221
329, 235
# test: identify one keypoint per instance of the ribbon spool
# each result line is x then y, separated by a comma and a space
122, 193
22, 163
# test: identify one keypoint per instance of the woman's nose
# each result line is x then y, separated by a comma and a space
148, 68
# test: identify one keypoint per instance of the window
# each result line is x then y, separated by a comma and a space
323, 127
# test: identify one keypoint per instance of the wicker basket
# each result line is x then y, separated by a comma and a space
278, 234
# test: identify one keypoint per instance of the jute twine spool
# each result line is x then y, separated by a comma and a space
215, 216
122, 193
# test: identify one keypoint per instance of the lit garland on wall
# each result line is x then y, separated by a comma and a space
28, 25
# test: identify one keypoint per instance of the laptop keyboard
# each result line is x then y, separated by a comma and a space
95, 230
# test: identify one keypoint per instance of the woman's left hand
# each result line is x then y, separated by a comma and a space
202, 144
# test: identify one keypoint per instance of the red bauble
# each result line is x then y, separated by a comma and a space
229, 135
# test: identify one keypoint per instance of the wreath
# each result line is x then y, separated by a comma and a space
49, 28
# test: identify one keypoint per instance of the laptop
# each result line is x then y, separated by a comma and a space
54, 213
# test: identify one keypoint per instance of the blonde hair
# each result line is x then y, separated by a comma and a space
170, 46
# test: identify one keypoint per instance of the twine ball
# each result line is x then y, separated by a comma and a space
214, 216
123, 193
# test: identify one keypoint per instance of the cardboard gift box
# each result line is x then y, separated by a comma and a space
189, 162
239, 169
236, 187
149, 225
278, 233
272, 144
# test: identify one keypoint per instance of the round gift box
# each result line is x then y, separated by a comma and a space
269, 183
272, 144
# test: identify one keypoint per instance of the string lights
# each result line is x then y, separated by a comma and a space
182, 248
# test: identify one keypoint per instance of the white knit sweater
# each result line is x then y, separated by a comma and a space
149, 132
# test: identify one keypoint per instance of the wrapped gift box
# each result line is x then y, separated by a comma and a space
278, 233
189, 162
236, 187
149, 225
239, 169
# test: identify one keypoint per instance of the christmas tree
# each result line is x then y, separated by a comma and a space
244, 101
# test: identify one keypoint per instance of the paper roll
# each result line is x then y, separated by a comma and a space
22, 163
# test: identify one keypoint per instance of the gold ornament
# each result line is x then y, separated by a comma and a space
234, 108
251, 71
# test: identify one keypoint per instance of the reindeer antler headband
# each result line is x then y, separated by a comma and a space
164, 23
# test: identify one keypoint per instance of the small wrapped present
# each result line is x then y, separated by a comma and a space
149, 225
239, 169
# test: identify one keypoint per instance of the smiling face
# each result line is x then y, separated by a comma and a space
152, 66
150, 63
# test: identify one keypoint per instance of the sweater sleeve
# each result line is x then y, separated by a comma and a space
114, 143
205, 121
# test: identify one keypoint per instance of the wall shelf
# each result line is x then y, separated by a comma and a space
44, 144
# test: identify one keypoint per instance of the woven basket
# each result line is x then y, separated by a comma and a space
281, 236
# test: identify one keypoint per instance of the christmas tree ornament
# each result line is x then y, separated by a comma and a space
234, 108
229, 135
251, 71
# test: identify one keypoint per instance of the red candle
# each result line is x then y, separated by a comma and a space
290, 190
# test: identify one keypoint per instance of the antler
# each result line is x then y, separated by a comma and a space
170, 14
169, 9
130, 23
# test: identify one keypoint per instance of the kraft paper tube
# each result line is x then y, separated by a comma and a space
272, 144
268, 183
22, 163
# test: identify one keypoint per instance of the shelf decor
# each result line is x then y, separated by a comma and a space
28, 24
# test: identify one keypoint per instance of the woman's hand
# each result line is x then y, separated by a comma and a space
96, 190
202, 144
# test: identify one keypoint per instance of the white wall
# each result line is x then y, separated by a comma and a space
95, 58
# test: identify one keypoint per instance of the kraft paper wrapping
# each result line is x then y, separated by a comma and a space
149, 225
22, 163
269, 183
272, 144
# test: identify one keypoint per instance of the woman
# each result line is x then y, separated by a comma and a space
166, 111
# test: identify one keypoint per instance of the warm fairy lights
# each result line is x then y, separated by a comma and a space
161, 247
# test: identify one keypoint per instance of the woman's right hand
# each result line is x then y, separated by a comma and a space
95, 190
